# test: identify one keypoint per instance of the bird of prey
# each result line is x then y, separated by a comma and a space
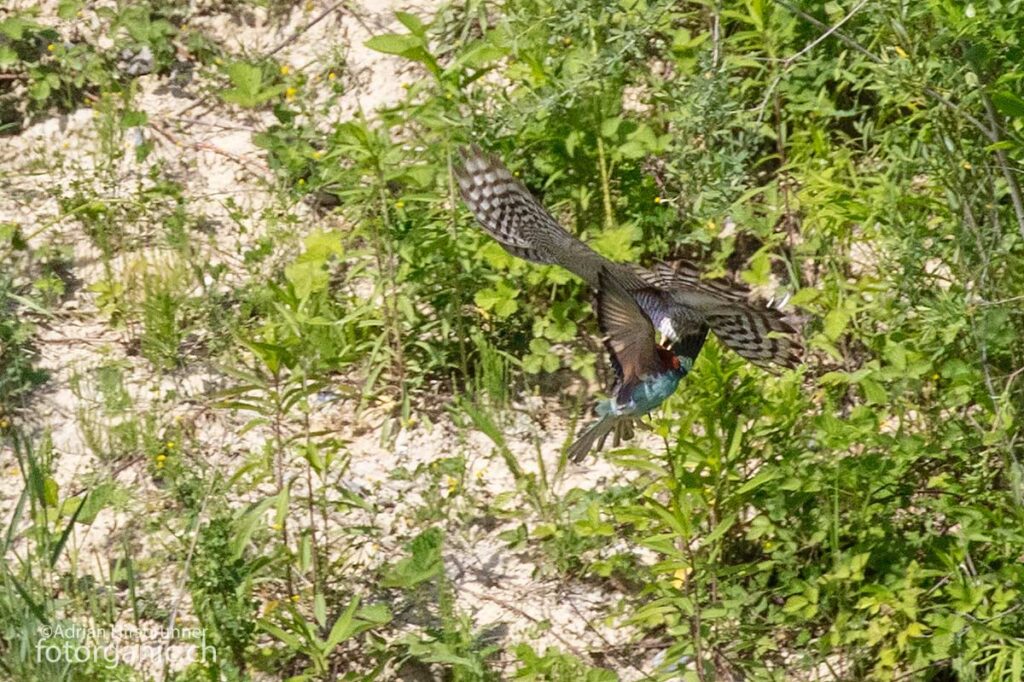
673, 298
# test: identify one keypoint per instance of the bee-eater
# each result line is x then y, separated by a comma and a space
645, 373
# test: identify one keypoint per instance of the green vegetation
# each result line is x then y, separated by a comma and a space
860, 518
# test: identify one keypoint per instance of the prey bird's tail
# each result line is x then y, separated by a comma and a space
597, 432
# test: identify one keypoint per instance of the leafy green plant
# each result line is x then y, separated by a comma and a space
451, 642
162, 324
556, 666
860, 516
63, 71
303, 637
50, 71
251, 86
18, 373
221, 581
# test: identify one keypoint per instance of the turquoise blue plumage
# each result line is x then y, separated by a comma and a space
646, 373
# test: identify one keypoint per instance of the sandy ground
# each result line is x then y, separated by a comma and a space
209, 148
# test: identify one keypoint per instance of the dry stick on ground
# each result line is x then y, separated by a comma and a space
578, 653
68, 340
609, 647
199, 102
299, 31
210, 124
248, 164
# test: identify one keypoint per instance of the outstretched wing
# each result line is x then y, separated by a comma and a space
754, 330
505, 208
509, 213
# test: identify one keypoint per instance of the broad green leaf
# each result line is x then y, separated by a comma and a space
394, 43
343, 627
68, 9
413, 23
835, 323
422, 563
8, 56
1009, 103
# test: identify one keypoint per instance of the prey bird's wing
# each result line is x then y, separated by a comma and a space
629, 334
687, 346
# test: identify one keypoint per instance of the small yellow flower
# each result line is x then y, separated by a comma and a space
399, 204
567, 41
289, 94
453, 485
679, 577
317, 153
170, 445
285, 69
967, 165
302, 181
295, 598
901, 52
51, 47
331, 76
161, 458
657, 200
4, 422
935, 377
276, 526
